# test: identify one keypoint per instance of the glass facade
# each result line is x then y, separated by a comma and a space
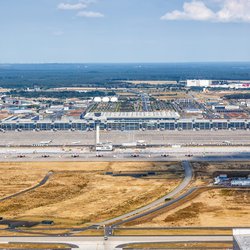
129, 124
220, 125
185, 125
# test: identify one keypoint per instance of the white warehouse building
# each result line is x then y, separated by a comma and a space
198, 83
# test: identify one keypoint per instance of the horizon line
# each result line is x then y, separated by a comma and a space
177, 62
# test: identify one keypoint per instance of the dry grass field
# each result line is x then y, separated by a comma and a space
211, 208
33, 246
207, 207
168, 96
192, 245
170, 231
79, 193
12, 179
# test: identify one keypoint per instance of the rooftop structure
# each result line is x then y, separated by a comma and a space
123, 122
198, 83
241, 239
225, 84
232, 181
242, 182
136, 115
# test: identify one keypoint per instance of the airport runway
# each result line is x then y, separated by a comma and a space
113, 243
202, 153
167, 137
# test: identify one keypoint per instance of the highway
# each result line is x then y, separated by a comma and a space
113, 243
188, 176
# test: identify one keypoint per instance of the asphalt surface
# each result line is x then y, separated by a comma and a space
42, 182
191, 153
153, 137
148, 212
98, 243
164, 203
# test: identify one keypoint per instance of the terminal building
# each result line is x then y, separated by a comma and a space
163, 120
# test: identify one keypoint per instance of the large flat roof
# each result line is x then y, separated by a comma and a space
129, 115
242, 236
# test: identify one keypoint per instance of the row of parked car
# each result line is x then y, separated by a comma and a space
47, 156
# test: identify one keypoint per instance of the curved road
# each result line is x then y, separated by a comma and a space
188, 176
42, 182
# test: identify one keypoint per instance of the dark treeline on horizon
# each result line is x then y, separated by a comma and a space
60, 94
112, 75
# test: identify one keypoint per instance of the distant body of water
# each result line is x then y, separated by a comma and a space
25, 75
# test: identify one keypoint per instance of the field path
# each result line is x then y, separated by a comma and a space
41, 183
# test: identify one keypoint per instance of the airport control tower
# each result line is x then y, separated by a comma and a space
97, 136
98, 144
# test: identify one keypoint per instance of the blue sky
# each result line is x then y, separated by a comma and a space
124, 31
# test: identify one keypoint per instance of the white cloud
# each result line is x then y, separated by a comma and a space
90, 14
79, 6
235, 10
69, 6
230, 11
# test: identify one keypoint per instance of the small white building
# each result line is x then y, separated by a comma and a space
241, 182
232, 107
198, 83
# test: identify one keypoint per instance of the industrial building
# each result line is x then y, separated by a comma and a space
198, 83
225, 84
224, 180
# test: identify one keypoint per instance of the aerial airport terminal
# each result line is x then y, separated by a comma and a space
166, 108
127, 121
125, 125
174, 161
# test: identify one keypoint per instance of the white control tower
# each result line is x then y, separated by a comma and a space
97, 136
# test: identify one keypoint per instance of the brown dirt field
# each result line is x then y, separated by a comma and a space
13, 180
211, 208
79, 192
88, 166
198, 245
32, 232
179, 231
32, 246
166, 96
9, 233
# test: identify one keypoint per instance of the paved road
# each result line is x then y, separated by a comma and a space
157, 208
113, 243
42, 182
188, 176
